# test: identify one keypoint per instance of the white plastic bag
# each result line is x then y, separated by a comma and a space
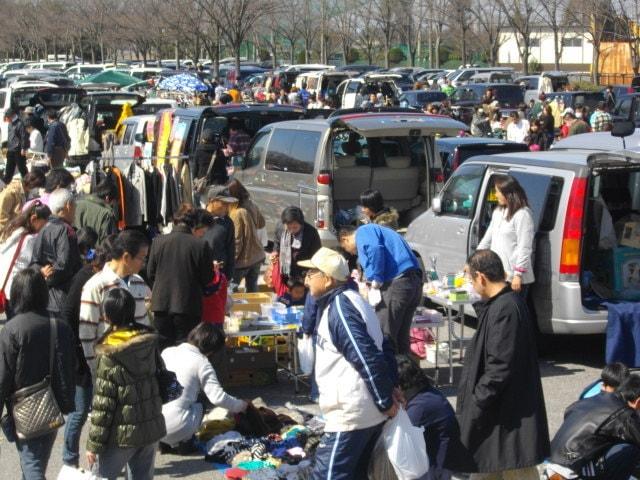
406, 447
306, 354
375, 297
71, 473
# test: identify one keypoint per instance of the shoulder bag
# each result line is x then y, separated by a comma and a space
4, 302
200, 184
34, 408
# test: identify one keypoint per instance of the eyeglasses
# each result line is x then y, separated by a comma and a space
313, 273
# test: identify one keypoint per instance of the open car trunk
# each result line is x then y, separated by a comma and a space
611, 245
395, 156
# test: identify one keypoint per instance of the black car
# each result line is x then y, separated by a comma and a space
466, 98
623, 107
420, 98
454, 151
577, 99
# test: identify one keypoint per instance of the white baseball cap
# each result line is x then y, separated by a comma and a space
329, 262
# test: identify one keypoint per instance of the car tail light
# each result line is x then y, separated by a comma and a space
572, 235
137, 153
630, 90
321, 214
439, 177
324, 178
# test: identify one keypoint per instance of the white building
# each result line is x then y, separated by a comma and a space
576, 50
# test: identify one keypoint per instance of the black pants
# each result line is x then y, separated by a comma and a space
14, 159
400, 298
173, 327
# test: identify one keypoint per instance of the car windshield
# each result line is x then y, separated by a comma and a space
426, 97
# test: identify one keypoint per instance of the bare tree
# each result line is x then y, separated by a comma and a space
288, 26
308, 27
412, 25
551, 15
596, 18
367, 33
490, 21
345, 20
236, 19
385, 18
628, 13
520, 15
460, 21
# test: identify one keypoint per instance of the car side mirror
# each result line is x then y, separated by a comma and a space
623, 128
237, 161
436, 205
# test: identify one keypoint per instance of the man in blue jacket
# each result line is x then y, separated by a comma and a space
355, 377
394, 275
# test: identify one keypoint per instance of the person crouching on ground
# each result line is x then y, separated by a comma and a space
126, 419
600, 436
349, 347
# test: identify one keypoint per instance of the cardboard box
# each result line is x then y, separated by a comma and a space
619, 269
250, 302
250, 357
631, 235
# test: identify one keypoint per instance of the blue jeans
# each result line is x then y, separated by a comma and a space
34, 455
139, 462
345, 455
619, 463
75, 422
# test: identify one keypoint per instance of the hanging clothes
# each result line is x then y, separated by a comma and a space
170, 199
122, 201
153, 186
185, 182
136, 196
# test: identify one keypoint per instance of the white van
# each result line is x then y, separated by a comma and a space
571, 193
463, 76
18, 96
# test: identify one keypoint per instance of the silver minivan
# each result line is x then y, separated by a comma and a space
570, 192
323, 165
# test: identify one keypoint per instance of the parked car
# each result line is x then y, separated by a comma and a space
18, 96
546, 82
568, 191
151, 106
59, 66
324, 82
623, 107
354, 91
324, 164
180, 136
577, 99
358, 68
466, 98
420, 98
463, 76
78, 72
454, 151
492, 77
135, 141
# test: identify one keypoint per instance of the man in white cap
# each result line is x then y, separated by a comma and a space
355, 378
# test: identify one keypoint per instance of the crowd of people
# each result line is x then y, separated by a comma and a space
126, 306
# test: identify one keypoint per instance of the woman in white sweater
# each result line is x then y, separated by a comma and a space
511, 233
20, 233
195, 373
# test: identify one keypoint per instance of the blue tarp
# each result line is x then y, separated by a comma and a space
183, 82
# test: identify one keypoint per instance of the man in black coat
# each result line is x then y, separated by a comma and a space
500, 407
180, 266
55, 250
600, 436
221, 236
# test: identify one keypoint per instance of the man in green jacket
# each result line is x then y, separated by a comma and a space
96, 210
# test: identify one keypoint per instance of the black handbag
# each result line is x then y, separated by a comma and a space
35, 409
200, 185
168, 384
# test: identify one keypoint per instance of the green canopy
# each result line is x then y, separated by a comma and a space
111, 76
